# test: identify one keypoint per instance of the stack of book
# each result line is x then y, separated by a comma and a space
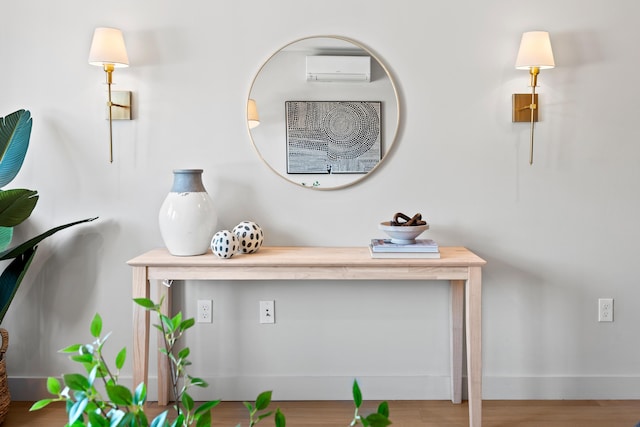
422, 248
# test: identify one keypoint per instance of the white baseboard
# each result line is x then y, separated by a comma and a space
380, 388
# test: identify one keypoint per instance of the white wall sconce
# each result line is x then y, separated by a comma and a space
109, 52
253, 119
535, 54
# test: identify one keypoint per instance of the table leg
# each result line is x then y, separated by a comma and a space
141, 289
473, 302
457, 319
164, 368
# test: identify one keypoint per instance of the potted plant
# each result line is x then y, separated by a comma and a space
16, 205
98, 399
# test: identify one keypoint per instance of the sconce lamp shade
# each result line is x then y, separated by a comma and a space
535, 51
252, 114
107, 47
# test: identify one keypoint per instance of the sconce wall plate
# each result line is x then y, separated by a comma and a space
522, 108
120, 106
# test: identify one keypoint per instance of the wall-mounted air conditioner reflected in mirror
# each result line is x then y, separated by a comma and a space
333, 129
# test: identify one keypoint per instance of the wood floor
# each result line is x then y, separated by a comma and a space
512, 413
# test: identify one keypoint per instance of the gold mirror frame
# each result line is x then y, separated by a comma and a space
334, 45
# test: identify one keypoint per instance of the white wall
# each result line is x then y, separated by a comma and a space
557, 235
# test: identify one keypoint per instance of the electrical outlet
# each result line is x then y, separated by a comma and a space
605, 310
267, 312
204, 311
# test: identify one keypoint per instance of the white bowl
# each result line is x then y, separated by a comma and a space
403, 234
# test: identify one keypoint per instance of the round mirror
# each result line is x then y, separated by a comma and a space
323, 112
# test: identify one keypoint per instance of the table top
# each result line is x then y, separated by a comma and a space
301, 256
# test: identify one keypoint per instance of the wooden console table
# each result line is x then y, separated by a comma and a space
457, 264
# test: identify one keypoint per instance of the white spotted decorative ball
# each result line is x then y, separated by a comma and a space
225, 244
250, 236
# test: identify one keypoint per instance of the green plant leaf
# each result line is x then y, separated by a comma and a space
20, 249
71, 349
198, 382
263, 416
96, 326
204, 420
77, 409
377, 420
140, 394
160, 420
178, 422
14, 273
119, 394
263, 400
357, 394
15, 132
76, 382
187, 401
82, 358
383, 409
16, 205
248, 405
40, 404
120, 358
97, 420
12, 277
187, 323
176, 321
53, 386
116, 417
206, 406
6, 234
145, 302
280, 419
184, 353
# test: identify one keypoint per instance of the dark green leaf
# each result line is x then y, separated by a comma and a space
16, 205
184, 353
280, 419
207, 406
203, 419
15, 132
248, 405
121, 357
20, 249
178, 422
128, 419
187, 401
357, 394
76, 382
187, 323
97, 420
40, 404
96, 326
263, 400
383, 409
378, 420
12, 277
120, 395
265, 415
198, 382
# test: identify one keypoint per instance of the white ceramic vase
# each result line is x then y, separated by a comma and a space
187, 217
